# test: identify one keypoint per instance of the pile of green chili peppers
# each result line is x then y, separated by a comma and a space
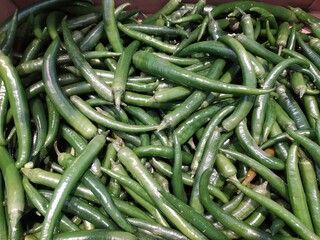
194, 122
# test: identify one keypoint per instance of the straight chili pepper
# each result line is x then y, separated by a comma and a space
68, 182
154, 65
